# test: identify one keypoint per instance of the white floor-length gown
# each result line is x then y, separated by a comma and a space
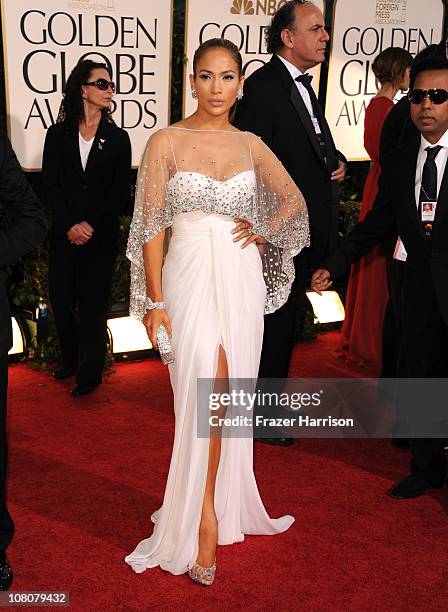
216, 293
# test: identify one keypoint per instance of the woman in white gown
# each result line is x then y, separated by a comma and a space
218, 189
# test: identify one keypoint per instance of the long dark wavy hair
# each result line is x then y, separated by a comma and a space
71, 110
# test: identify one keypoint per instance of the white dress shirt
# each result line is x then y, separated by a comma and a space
295, 72
84, 149
440, 160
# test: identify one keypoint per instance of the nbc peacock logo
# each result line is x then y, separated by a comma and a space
242, 7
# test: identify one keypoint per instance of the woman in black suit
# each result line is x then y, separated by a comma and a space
86, 168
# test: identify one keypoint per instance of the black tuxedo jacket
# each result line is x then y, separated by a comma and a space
397, 128
426, 271
23, 228
96, 195
273, 108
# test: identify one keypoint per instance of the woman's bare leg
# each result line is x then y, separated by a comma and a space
208, 528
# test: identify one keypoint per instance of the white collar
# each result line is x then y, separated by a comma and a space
293, 70
443, 142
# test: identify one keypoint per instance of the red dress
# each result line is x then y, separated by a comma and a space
367, 293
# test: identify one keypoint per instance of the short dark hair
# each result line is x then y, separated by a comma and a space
218, 43
72, 106
433, 57
284, 19
390, 65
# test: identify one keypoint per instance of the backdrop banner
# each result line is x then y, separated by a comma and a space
379, 24
241, 21
44, 39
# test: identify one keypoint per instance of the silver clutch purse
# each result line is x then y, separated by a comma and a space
164, 345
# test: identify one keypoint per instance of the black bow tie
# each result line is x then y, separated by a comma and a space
305, 79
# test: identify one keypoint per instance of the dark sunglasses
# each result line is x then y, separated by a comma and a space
437, 96
102, 84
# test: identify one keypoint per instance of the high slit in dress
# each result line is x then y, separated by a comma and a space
216, 293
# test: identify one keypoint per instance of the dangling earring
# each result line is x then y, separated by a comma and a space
194, 95
239, 95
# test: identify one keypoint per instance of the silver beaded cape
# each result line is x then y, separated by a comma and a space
226, 172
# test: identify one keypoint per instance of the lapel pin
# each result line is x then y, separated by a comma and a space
100, 144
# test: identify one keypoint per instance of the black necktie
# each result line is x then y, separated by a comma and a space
306, 79
428, 191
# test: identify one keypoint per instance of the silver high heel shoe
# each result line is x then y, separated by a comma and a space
203, 575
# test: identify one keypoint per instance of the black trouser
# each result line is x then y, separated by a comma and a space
425, 355
279, 333
280, 326
6, 524
392, 317
392, 333
80, 282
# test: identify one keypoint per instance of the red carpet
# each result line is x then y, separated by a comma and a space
86, 475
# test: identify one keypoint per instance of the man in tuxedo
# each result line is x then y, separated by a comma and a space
24, 228
280, 106
398, 126
397, 129
413, 174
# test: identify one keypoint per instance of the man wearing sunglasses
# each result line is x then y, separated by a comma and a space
397, 129
413, 175
398, 126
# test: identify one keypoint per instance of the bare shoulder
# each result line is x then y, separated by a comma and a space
179, 124
158, 137
256, 141
252, 136
158, 144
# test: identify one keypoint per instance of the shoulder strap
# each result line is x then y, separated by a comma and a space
250, 149
172, 149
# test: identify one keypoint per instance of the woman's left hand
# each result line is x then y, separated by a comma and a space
243, 230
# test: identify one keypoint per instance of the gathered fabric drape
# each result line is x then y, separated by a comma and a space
216, 293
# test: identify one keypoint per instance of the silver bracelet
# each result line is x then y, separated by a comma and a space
150, 305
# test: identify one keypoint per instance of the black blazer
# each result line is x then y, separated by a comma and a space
96, 195
426, 270
397, 128
24, 227
273, 108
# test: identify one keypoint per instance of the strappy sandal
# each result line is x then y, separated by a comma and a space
203, 575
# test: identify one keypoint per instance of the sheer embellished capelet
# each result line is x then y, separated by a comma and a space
221, 172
